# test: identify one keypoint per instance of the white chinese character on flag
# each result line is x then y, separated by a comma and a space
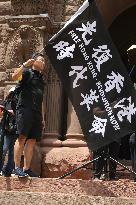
115, 81
87, 30
99, 125
101, 55
64, 49
127, 111
79, 71
89, 99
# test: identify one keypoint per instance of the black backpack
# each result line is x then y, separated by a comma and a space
10, 128
8, 121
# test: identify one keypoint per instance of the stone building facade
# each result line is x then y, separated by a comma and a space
25, 27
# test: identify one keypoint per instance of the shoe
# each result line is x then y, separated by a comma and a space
6, 174
96, 179
31, 173
19, 172
113, 178
13, 173
103, 177
134, 179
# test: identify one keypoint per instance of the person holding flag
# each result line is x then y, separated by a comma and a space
29, 112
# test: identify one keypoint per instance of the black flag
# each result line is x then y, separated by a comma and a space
94, 77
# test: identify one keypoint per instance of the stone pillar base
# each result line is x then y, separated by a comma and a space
57, 161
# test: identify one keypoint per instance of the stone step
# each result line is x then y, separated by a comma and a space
30, 198
120, 188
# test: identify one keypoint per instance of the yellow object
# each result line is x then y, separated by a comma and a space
19, 78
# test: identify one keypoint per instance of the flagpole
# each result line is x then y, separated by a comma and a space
132, 69
38, 53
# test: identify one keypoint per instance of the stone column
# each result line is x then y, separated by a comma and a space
53, 117
53, 106
75, 146
74, 135
60, 157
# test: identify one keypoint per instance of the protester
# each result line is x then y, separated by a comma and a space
29, 112
132, 144
103, 154
100, 171
8, 131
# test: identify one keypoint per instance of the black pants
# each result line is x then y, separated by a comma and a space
132, 143
112, 150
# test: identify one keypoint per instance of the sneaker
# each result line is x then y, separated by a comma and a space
13, 173
19, 172
113, 178
6, 174
31, 173
96, 179
103, 177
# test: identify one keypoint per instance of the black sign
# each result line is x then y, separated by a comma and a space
94, 77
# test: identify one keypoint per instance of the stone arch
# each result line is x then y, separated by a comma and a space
24, 41
110, 10
123, 31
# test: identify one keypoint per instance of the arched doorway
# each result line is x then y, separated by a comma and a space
123, 33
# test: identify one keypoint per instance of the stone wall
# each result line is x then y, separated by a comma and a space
20, 35
23, 30
28, 7
5, 8
70, 8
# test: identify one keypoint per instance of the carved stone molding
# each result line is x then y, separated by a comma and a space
22, 44
5, 8
30, 7
4, 36
32, 20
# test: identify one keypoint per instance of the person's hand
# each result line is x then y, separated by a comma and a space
29, 63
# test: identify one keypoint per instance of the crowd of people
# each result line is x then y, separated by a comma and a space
104, 167
27, 111
104, 164
23, 121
